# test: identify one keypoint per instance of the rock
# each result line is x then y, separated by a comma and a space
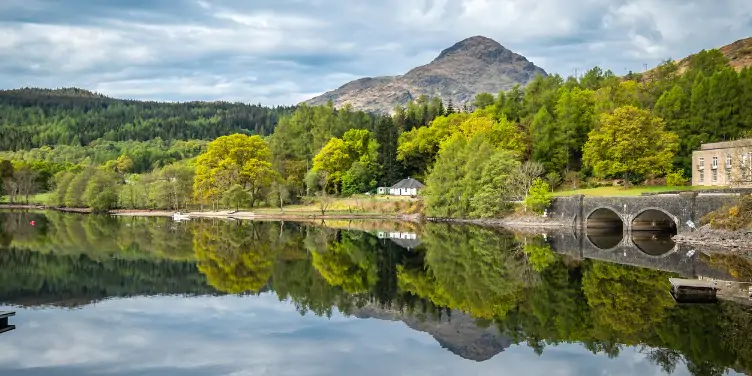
474, 65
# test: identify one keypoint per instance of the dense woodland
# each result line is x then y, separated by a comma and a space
517, 283
554, 133
32, 118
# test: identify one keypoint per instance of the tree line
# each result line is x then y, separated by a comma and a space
32, 118
516, 145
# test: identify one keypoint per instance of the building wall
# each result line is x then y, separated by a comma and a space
403, 191
729, 165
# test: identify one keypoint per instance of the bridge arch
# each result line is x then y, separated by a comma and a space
604, 217
604, 228
654, 219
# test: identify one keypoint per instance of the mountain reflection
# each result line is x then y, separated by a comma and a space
512, 288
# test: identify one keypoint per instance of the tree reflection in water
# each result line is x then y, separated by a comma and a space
514, 282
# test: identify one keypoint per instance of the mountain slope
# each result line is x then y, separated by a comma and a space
460, 335
474, 65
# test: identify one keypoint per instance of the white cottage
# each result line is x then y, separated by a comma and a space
406, 187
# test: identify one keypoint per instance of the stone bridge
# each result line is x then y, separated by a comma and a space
650, 212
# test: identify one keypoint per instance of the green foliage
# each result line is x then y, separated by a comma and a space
630, 140
350, 163
676, 179
539, 196
230, 160
31, 118
236, 197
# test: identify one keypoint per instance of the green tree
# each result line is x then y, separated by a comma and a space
483, 100
630, 140
236, 196
539, 196
235, 159
549, 142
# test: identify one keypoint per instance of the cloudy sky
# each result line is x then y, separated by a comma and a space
238, 336
284, 51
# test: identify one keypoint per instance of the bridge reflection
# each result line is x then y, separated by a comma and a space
647, 249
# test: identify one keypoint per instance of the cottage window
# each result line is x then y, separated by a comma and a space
702, 176
728, 160
715, 175
715, 162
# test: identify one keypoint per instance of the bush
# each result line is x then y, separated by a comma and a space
733, 217
539, 196
676, 179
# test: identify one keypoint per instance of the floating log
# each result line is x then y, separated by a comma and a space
693, 291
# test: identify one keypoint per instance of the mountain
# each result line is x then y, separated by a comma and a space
474, 65
739, 54
458, 334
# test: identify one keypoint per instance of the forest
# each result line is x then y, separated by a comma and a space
515, 282
554, 133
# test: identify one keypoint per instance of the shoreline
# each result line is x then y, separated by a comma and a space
720, 240
739, 242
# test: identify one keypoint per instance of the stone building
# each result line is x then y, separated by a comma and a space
726, 164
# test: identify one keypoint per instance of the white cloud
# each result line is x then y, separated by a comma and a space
258, 335
189, 49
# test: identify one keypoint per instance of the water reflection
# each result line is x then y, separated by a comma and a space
654, 243
293, 298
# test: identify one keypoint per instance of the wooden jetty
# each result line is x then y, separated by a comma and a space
4, 327
693, 290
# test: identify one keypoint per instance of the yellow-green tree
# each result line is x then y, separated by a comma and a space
630, 140
350, 163
230, 160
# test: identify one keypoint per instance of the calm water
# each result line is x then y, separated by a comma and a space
147, 296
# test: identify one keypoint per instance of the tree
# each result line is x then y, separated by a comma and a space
26, 180
279, 194
236, 197
539, 196
523, 177
549, 143
101, 191
10, 186
575, 117
387, 136
483, 100
351, 160
630, 140
230, 160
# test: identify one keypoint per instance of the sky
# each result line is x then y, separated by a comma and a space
239, 336
281, 52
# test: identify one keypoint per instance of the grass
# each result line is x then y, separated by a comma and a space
621, 191
37, 199
353, 205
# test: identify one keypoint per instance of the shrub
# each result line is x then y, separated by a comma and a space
676, 179
732, 217
539, 196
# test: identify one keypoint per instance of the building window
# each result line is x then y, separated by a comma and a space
728, 160
728, 177
715, 162
702, 176
715, 175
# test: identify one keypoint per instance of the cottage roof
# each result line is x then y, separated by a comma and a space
408, 183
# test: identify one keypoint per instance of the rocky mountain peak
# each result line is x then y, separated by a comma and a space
478, 47
474, 65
